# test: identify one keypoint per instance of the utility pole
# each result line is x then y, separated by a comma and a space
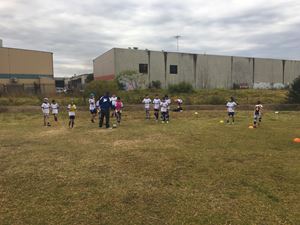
177, 40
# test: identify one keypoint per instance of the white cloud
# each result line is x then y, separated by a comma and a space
77, 31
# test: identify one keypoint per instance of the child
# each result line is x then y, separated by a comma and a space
156, 102
46, 110
113, 100
93, 109
164, 110
230, 109
257, 114
147, 102
168, 101
179, 107
71, 110
118, 109
54, 107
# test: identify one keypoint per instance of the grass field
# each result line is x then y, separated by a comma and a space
193, 170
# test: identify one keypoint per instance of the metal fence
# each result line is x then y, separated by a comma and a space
27, 89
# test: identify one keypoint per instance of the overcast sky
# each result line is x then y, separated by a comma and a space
77, 31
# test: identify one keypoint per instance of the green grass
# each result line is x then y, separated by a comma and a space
194, 170
199, 97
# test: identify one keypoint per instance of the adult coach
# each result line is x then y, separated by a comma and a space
104, 105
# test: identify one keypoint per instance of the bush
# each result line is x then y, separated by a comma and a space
182, 87
215, 100
294, 92
99, 87
155, 84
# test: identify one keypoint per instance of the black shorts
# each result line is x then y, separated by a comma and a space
230, 113
156, 110
72, 117
94, 111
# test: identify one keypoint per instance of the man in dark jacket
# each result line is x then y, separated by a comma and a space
104, 105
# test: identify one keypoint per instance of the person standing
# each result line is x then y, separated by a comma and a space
231, 110
257, 114
105, 106
164, 110
54, 107
156, 106
46, 111
93, 109
147, 102
113, 100
118, 110
71, 110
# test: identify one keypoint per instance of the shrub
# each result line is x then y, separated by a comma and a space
294, 92
155, 84
99, 87
215, 100
182, 87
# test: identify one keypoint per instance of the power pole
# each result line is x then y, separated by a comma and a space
177, 40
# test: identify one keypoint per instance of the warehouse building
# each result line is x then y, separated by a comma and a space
26, 71
201, 70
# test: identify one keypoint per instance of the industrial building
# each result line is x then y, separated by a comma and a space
201, 70
26, 71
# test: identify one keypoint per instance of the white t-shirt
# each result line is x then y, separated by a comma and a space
113, 100
168, 100
156, 103
92, 104
45, 108
258, 108
164, 106
54, 108
179, 101
147, 102
71, 109
231, 106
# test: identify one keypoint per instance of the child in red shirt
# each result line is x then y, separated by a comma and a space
118, 109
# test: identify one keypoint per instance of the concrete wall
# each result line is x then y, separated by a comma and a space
202, 71
213, 71
242, 71
291, 70
157, 67
104, 66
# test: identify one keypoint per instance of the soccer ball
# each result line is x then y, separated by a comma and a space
221, 121
196, 113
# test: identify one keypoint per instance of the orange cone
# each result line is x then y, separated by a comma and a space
297, 140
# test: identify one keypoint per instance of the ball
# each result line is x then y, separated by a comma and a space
221, 121
196, 113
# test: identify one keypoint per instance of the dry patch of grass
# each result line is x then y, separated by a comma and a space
193, 170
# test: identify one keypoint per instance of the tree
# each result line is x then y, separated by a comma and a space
294, 91
99, 87
130, 80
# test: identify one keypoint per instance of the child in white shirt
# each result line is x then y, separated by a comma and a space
156, 105
147, 102
46, 111
54, 107
231, 109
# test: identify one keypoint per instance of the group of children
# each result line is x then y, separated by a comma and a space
54, 107
160, 107
257, 117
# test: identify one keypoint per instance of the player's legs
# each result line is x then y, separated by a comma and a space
118, 114
107, 118
101, 117
156, 114
147, 114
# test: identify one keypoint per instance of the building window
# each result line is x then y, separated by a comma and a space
143, 68
173, 69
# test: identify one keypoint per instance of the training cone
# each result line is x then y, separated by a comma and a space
297, 140
251, 127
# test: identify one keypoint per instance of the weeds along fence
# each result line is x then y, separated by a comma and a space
26, 89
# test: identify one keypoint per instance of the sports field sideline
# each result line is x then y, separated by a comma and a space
193, 170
